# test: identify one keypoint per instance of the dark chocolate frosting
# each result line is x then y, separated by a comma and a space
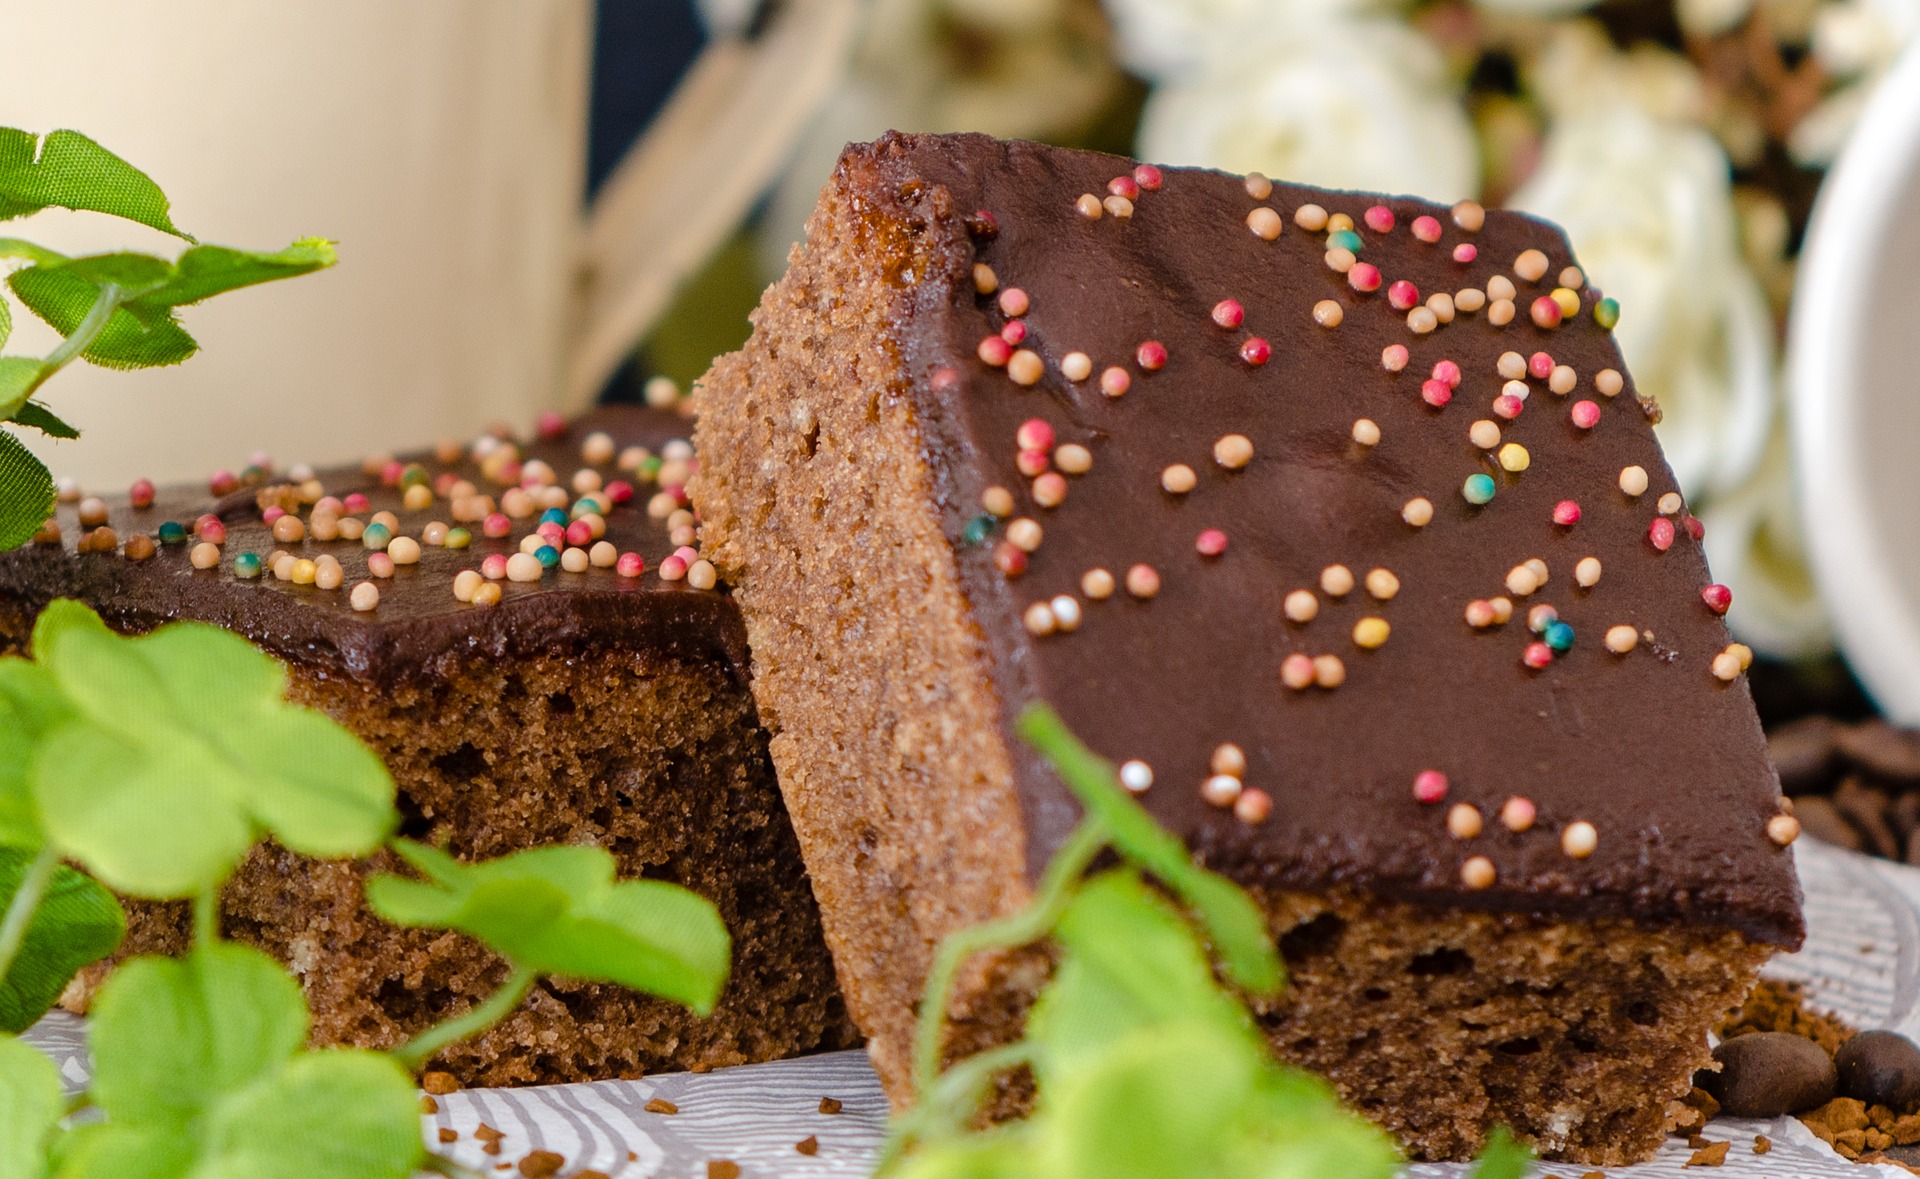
1664, 759
419, 629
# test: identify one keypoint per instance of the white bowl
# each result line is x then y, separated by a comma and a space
1854, 380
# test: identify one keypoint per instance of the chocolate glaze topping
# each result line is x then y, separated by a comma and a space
1666, 761
419, 627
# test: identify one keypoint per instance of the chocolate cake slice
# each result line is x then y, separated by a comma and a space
596, 703
1337, 522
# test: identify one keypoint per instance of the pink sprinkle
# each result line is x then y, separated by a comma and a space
1256, 351
1585, 414
1429, 786
221, 482
552, 533
206, 519
1435, 392
1015, 331
630, 565
1124, 186
1115, 381
1050, 489
356, 502
1566, 513
1363, 276
1228, 313
379, 564
945, 377
1465, 252
579, 534
687, 553
1148, 177
983, 224
509, 474
1508, 406
494, 567
1546, 313
1379, 218
1540, 365
1403, 295
1694, 527
212, 531
1426, 228
550, 424
1014, 301
995, 351
1537, 655
1448, 371
271, 514
619, 491
261, 459
1660, 534
672, 568
1717, 597
390, 474
677, 490
1033, 462
1519, 813
1151, 356
324, 505
496, 525
1211, 542
140, 495
1035, 434
1393, 357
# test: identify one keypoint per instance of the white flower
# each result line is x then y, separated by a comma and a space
1857, 41
1754, 544
1335, 100
1647, 205
1535, 7
1165, 39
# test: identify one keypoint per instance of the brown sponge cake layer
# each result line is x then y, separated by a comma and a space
848, 453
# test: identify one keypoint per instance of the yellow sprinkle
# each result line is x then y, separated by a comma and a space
1514, 457
1371, 632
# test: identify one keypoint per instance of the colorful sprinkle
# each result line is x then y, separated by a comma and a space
1382, 584
1606, 313
1633, 480
1464, 253
1585, 414
1178, 479
1233, 451
1296, 672
1115, 381
1426, 228
1228, 313
1076, 366
1717, 597
1151, 356
1370, 633
1478, 873
1221, 790
1464, 821
1435, 392
1300, 606
1783, 829
1478, 489
365, 597
1518, 814
1147, 176
1566, 513
1210, 543
1136, 776
1364, 277
247, 565
1586, 573
1545, 312
1253, 806
1417, 511
1311, 218
1394, 357
1660, 534
1621, 639
1328, 671
1143, 581
1336, 581
1429, 786
1097, 584
1256, 351
1265, 223
1484, 434
1328, 313
1379, 218
1537, 655
1025, 367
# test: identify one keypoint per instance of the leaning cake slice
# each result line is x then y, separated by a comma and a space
1336, 521
591, 702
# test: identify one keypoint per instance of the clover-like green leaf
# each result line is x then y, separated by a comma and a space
76, 924
30, 1109
6, 322
1232, 920
181, 750
67, 170
26, 487
30, 706
1503, 1157
39, 417
144, 330
199, 1070
1128, 961
559, 910
19, 377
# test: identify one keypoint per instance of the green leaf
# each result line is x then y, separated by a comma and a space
40, 418
199, 1070
19, 377
6, 322
181, 751
170, 1036
67, 170
1194, 1081
30, 706
1503, 1158
558, 910
1128, 961
30, 1109
144, 330
77, 924
26, 489
1232, 920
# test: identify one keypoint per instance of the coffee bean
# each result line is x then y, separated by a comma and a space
1802, 752
1765, 1074
1881, 749
1820, 819
1880, 1068
1866, 809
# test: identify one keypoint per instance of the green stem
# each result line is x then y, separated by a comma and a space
951, 1102
25, 903
415, 1053
104, 305
206, 916
1018, 929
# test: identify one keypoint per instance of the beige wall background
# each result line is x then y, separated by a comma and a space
440, 142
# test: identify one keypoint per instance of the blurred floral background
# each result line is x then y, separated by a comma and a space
1680, 142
